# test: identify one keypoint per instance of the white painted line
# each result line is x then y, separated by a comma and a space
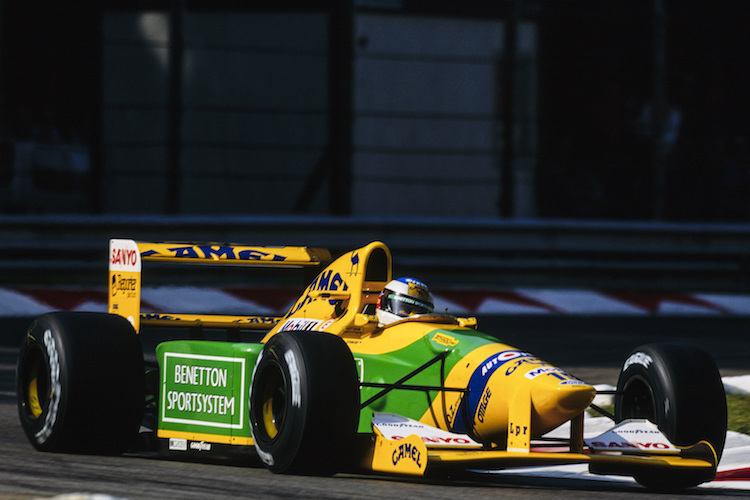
581, 302
13, 303
178, 299
496, 306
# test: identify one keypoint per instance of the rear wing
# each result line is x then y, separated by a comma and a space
125, 273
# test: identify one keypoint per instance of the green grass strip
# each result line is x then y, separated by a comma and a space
738, 412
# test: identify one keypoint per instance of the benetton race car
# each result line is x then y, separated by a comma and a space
327, 388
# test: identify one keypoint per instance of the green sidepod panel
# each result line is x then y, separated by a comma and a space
203, 392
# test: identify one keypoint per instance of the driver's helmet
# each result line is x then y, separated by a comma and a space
403, 297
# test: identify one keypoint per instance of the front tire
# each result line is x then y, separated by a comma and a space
79, 382
304, 403
677, 387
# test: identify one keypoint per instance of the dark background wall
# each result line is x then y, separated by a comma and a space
598, 68
584, 140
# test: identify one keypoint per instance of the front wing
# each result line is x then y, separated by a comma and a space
418, 454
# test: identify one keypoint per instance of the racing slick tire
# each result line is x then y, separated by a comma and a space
304, 403
676, 386
79, 382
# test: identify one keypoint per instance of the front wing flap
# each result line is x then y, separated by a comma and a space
417, 453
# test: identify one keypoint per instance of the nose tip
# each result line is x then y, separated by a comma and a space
576, 397
555, 404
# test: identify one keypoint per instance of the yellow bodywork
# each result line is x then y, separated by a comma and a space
516, 396
125, 275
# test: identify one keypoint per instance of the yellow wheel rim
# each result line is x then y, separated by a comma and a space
269, 422
34, 406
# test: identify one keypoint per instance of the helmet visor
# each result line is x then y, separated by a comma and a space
403, 305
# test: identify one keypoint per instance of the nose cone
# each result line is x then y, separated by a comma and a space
508, 386
554, 404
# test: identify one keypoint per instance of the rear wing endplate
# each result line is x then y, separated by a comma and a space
125, 268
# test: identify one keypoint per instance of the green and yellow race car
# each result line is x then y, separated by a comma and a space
359, 374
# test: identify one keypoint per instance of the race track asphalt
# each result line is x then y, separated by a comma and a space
591, 348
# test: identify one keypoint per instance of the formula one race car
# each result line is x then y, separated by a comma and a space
328, 388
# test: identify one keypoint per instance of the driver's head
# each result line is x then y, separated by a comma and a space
401, 298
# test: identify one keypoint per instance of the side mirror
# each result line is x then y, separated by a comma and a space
467, 322
362, 320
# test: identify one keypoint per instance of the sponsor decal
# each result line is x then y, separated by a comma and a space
124, 256
445, 340
418, 289
300, 324
555, 372
615, 445
200, 446
497, 360
56, 389
354, 270
200, 375
440, 440
637, 432
396, 427
510, 360
447, 440
517, 430
261, 320
176, 444
157, 316
572, 382
291, 362
530, 360
450, 415
478, 383
327, 281
544, 370
632, 435
196, 402
325, 325
638, 358
215, 252
483, 405
408, 452
124, 285
199, 390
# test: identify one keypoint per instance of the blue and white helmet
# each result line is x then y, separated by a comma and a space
401, 298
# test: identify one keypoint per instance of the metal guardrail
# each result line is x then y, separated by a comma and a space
65, 250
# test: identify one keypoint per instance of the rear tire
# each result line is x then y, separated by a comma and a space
304, 403
80, 383
678, 387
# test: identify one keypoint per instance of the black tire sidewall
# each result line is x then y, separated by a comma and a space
96, 363
43, 348
319, 371
688, 393
278, 452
